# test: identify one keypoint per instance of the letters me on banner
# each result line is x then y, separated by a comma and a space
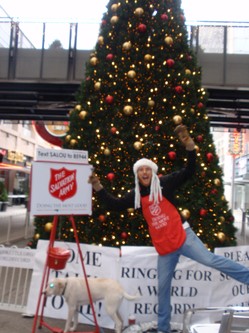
193, 285
59, 187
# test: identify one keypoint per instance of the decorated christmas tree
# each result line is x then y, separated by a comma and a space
141, 81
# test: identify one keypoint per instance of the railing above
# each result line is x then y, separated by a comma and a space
57, 51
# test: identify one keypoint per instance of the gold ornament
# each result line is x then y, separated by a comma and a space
222, 219
36, 236
130, 210
132, 74
114, 7
68, 138
138, 11
151, 103
127, 46
147, 57
73, 142
48, 226
94, 61
187, 71
101, 40
217, 182
77, 107
177, 120
192, 110
97, 86
114, 19
107, 152
168, 40
83, 114
185, 214
197, 149
128, 109
221, 236
137, 145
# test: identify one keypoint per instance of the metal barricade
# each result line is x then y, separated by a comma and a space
16, 268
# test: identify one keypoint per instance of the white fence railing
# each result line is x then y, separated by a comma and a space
16, 268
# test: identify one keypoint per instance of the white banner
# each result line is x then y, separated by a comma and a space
138, 273
228, 291
193, 284
62, 155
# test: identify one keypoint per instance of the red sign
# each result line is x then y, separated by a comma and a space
235, 142
62, 184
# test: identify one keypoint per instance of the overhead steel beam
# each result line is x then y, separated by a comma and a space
226, 107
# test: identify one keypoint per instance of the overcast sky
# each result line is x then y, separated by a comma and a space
81, 10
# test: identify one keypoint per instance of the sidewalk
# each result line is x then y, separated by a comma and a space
14, 322
15, 226
242, 233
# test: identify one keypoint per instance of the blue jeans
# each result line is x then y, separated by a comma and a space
192, 248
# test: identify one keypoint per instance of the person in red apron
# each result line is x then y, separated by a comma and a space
170, 234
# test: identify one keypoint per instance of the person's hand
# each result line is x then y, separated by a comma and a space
184, 137
94, 180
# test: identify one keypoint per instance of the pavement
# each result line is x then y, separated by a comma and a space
14, 322
16, 226
18, 233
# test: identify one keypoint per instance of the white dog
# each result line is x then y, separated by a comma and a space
74, 290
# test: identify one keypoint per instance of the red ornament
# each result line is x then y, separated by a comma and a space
203, 174
110, 176
170, 62
199, 138
214, 191
103, 22
164, 17
210, 157
102, 218
124, 235
109, 99
109, 56
157, 128
172, 155
189, 57
113, 130
200, 105
182, 17
203, 212
178, 89
142, 28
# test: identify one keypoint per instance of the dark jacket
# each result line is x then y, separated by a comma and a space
169, 184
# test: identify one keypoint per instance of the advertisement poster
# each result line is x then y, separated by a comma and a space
59, 183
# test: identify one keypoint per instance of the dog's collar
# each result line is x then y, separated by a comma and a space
63, 291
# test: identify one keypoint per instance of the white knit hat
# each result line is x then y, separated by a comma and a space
155, 188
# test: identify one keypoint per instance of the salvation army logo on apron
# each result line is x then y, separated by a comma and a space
62, 184
155, 209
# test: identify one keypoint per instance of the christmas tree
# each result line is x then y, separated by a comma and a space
141, 81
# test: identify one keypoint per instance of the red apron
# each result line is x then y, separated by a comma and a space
165, 225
